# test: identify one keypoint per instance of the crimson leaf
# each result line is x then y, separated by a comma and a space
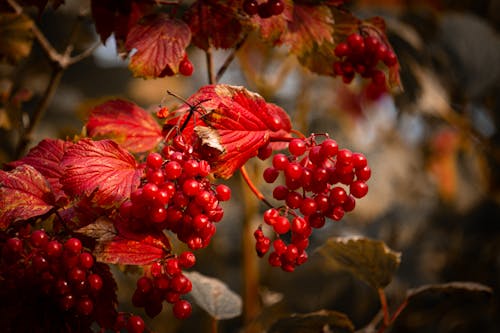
160, 43
238, 122
116, 245
24, 193
125, 123
46, 157
101, 169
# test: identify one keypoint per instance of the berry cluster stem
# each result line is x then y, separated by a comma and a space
253, 188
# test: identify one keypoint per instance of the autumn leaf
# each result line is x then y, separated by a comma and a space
214, 296
369, 260
272, 29
238, 122
125, 123
46, 157
16, 37
310, 26
101, 169
24, 193
159, 43
118, 17
117, 245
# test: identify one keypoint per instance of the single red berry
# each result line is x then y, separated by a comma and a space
154, 160
39, 238
308, 206
85, 306
291, 253
173, 170
276, 7
364, 173
281, 225
280, 161
54, 249
337, 213
293, 171
95, 282
73, 246
338, 195
274, 259
280, 192
299, 226
329, 148
390, 59
179, 283
262, 246
172, 266
359, 189
349, 204
279, 246
344, 156
149, 192
270, 216
186, 68
342, 50
191, 187
182, 309
223, 192
316, 220
14, 245
86, 260
135, 324
293, 199
356, 43
187, 259
155, 269
270, 175
250, 7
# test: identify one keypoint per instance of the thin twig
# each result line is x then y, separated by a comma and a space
210, 66
229, 59
383, 303
252, 187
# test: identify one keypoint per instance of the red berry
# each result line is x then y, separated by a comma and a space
85, 306
135, 324
342, 50
250, 7
86, 260
39, 238
281, 225
279, 246
280, 192
54, 249
191, 187
144, 284
223, 192
276, 7
182, 309
187, 259
344, 156
364, 173
173, 170
297, 147
293, 171
359, 189
149, 192
356, 43
95, 282
186, 67
264, 10
73, 246
280, 161
172, 267
154, 160
270, 216
270, 175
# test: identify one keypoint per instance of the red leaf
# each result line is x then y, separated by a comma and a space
126, 123
214, 24
24, 193
160, 43
101, 169
116, 245
238, 121
310, 26
117, 17
46, 157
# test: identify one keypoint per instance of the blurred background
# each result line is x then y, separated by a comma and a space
434, 150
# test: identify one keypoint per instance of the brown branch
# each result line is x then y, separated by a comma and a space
210, 66
252, 187
385, 307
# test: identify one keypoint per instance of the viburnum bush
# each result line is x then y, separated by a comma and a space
145, 190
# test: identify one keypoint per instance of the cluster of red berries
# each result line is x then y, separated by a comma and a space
64, 274
165, 282
177, 196
320, 181
264, 9
362, 54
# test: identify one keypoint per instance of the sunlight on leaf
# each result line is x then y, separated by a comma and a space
24, 193
126, 123
101, 169
369, 260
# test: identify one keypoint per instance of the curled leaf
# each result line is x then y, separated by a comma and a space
125, 123
101, 169
159, 43
24, 193
371, 261
214, 296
